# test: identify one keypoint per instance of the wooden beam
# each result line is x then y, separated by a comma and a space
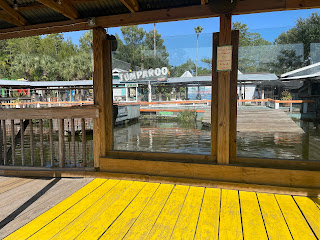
223, 98
132, 5
162, 15
65, 8
88, 111
6, 17
102, 88
13, 13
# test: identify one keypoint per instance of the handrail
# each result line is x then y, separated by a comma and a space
87, 111
169, 110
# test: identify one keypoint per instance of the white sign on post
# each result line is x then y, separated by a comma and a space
224, 58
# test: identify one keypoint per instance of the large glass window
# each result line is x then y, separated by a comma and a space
162, 92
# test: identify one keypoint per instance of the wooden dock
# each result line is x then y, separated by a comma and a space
119, 209
260, 119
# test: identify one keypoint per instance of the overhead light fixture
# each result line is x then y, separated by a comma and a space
15, 5
59, 2
92, 22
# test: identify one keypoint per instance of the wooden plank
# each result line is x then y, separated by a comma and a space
61, 143
189, 214
252, 221
148, 217
34, 226
13, 13
73, 212
294, 218
311, 212
93, 212
65, 8
14, 185
31, 144
51, 113
84, 142
104, 221
23, 159
214, 102
13, 144
44, 199
102, 87
121, 226
73, 145
4, 136
41, 142
233, 96
273, 219
51, 143
223, 98
161, 156
166, 221
132, 5
235, 174
6, 17
208, 225
230, 219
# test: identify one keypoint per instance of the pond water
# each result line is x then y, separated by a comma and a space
174, 137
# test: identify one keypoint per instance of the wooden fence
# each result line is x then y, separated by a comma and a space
25, 118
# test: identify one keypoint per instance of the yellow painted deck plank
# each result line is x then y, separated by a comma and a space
93, 212
273, 218
252, 222
123, 223
187, 222
103, 222
166, 221
311, 213
146, 220
35, 225
294, 218
230, 219
208, 226
72, 213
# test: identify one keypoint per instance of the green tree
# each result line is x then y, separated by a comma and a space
197, 30
286, 61
305, 31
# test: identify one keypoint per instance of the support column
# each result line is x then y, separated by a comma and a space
149, 92
102, 87
223, 97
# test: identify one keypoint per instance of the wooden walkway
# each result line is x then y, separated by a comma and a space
118, 209
260, 119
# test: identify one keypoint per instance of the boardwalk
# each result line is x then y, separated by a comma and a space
261, 119
118, 209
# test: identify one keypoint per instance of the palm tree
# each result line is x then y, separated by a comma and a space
198, 30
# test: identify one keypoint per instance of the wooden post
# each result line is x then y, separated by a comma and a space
41, 143
51, 142
73, 145
23, 160
4, 132
84, 142
31, 144
102, 87
223, 133
61, 143
13, 144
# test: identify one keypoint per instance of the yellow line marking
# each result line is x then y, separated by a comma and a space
93, 212
41, 221
230, 220
208, 226
294, 218
273, 219
187, 222
163, 227
146, 220
311, 213
119, 228
96, 228
72, 213
252, 222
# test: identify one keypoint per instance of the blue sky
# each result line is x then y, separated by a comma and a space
180, 38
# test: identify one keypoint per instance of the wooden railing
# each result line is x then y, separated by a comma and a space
45, 122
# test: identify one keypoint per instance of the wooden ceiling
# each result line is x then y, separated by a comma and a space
21, 18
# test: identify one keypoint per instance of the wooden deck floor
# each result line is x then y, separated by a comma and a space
118, 209
261, 119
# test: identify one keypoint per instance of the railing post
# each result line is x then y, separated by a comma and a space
276, 105
102, 87
61, 143
305, 107
291, 107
